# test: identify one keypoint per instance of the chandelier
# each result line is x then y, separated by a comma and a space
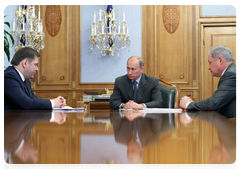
109, 34
29, 31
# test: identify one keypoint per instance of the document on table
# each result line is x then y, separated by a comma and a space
160, 110
82, 109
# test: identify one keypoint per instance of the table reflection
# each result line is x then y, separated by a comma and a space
122, 137
17, 131
225, 152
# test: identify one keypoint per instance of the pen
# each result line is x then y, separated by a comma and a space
188, 95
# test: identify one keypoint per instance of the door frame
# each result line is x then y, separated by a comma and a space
203, 25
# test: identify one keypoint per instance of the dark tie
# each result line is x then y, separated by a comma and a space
134, 90
25, 83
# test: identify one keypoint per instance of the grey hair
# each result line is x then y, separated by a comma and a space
221, 51
141, 62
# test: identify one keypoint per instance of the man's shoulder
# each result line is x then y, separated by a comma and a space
122, 77
231, 68
149, 78
9, 70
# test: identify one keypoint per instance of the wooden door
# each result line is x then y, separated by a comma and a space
213, 35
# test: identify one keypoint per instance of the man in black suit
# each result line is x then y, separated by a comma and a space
17, 87
221, 64
146, 94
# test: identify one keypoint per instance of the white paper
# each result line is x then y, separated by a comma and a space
160, 110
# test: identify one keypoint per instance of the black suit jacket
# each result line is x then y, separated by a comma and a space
148, 92
224, 98
18, 96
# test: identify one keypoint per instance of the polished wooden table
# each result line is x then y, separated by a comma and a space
106, 137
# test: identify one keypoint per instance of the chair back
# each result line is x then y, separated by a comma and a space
170, 94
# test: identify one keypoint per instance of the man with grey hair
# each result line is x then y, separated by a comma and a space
136, 90
221, 64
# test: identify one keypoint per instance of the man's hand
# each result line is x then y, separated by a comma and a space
131, 104
59, 117
59, 102
184, 100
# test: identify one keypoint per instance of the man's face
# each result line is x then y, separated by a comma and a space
133, 69
214, 66
31, 68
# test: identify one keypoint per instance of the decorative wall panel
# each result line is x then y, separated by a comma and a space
172, 44
171, 17
53, 19
54, 60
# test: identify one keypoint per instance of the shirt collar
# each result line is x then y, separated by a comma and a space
21, 75
224, 70
139, 78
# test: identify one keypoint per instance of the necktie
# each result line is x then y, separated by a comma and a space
25, 83
134, 90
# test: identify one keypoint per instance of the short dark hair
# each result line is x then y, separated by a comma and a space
22, 53
141, 62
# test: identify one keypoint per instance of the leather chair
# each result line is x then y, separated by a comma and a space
170, 94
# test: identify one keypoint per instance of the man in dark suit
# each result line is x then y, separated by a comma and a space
17, 87
221, 64
146, 94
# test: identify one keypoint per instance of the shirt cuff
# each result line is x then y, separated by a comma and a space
52, 117
121, 106
144, 106
52, 103
187, 105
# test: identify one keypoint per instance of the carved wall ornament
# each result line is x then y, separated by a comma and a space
44, 78
171, 17
53, 19
62, 77
161, 76
181, 76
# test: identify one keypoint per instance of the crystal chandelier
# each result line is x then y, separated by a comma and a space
29, 31
108, 34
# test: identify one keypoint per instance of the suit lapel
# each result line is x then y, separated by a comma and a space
141, 87
129, 88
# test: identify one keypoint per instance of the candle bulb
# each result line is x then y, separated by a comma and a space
95, 31
39, 12
19, 11
100, 15
113, 14
94, 16
33, 14
102, 29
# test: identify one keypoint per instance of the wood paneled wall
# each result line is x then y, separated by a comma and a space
171, 49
